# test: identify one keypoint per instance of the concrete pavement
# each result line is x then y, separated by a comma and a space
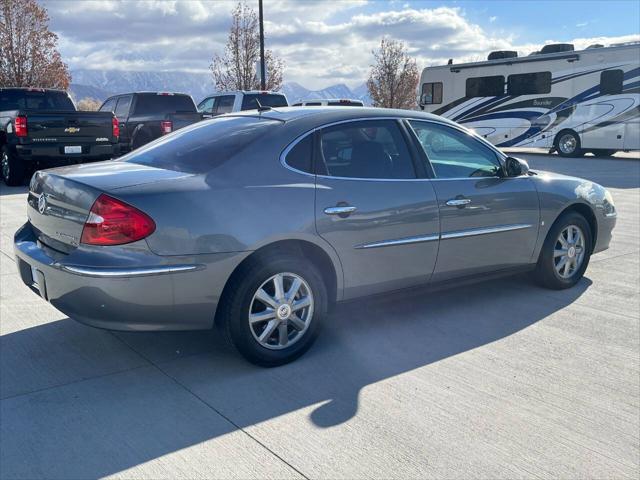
496, 380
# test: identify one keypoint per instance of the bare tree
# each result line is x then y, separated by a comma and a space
236, 69
394, 76
89, 104
28, 49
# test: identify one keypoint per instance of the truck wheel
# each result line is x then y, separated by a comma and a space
568, 144
13, 170
139, 140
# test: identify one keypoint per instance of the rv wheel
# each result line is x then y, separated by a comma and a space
568, 144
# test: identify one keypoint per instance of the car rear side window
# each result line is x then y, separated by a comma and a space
109, 105
366, 149
154, 104
203, 146
300, 156
122, 107
265, 99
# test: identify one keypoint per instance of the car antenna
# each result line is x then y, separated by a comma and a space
261, 108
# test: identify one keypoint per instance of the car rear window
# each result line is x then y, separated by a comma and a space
35, 100
265, 99
154, 104
202, 146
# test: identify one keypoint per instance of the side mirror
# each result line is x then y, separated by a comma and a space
516, 167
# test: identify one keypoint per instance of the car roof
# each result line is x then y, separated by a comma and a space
160, 94
244, 92
327, 114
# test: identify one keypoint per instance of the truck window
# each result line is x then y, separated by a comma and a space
35, 100
611, 82
529, 83
485, 86
224, 104
431, 93
265, 99
157, 104
109, 105
122, 108
206, 106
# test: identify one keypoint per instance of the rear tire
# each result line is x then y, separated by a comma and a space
140, 140
567, 144
566, 252
13, 169
285, 337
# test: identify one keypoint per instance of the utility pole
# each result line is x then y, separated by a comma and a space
263, 83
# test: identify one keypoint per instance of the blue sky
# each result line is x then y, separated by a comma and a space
328, 42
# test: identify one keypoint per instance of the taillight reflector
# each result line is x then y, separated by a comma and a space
20, 125
113, 222
166, 127
115, 124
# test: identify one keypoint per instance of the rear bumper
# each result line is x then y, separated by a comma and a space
55, 153
169, 295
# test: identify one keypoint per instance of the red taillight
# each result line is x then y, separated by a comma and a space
115, 127
112, 222
21, 126
166, 127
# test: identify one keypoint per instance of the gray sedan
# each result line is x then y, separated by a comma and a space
258, 222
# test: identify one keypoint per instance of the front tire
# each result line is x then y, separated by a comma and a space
13, 170
568, 144
272, 309
566, 252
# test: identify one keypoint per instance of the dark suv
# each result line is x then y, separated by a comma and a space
145, 116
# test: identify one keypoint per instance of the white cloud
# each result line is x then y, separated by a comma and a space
321, 42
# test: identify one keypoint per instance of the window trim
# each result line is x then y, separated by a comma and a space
499, 155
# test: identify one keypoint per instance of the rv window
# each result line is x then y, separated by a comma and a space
529, 83
431, 93
611, 82
485, 86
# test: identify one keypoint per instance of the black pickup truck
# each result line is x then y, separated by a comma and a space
41, 128
145, 116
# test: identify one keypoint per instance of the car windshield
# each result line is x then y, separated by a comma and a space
265, 99
202, 146
151, 104
35, 100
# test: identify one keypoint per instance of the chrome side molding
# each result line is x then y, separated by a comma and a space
399, 241
128, 272
484, 231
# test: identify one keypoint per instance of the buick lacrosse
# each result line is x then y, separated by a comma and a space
257, 222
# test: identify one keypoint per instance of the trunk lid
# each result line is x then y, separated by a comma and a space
69, 127
60, 199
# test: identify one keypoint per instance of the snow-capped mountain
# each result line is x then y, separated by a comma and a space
100, 84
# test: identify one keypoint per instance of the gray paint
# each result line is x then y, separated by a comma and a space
214, 220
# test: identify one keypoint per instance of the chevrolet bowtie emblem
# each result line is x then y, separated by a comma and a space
71, 130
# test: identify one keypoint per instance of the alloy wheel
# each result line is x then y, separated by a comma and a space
281, 311
5, 166
567, 144
569, 251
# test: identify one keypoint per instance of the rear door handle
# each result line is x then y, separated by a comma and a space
458, 202
342, 210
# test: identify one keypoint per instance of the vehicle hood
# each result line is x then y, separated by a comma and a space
114, 174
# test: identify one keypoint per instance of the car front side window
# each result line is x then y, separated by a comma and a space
455, 154
366, 149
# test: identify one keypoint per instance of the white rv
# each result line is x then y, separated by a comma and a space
569, 101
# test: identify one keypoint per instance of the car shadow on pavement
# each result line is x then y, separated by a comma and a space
157, 393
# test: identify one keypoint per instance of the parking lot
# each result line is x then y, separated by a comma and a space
495, 380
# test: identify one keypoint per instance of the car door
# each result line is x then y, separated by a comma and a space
381, 219
123, 107
488, 221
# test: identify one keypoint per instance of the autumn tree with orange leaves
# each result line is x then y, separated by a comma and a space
29, 55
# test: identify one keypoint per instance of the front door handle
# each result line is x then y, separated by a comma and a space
458, 202
342, 211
